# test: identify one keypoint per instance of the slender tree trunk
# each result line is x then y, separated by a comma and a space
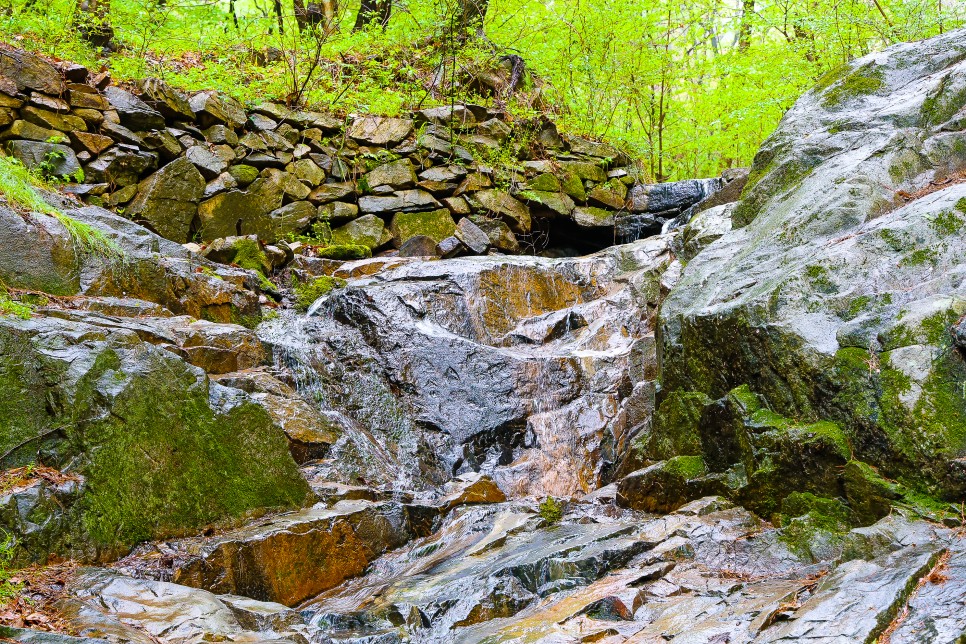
471, 18
277, 4
234, 13
744, 32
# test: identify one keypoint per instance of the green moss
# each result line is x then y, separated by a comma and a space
919, 257
675, 430
810, 522
551, 510
344, 252
942, 103
865, 80
947, 223
306, 294
745, 398
250, 256
857, 306
892, 239
818, 277
435, 224
961, 205
687, 467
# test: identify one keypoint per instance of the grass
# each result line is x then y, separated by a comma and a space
19, 187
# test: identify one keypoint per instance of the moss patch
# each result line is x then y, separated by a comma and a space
307, 293
865, 80
687, 467
344, 252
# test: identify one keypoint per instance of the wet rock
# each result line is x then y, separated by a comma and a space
167, 201
419, 246
338, 211
208, 163
52, 120
471, 489
308, 172
446, 173
591, 217
666, 486
26, 130
121, 166
134, 113
374, 130
450, 247
93, 143
329, 192
171, 103
48, 158
402, 201
558, 202
678, 195
37, 253
472, 236
499, 234
329, 545
23, 70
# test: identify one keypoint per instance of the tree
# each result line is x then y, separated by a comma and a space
378, 11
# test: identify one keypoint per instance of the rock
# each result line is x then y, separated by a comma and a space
472, 236
93, 143
367, 230
338, 211
243, 174
328, 544
375, 130
27, 71
308, 172
403, 201
499, 234
833, 271
665, 486
500, 204
120, 133
396, 175
213, 108
590, 217
219, 134
593, 149
609, 196
558, 202
37, 253
254, 211
222, 183
457, 115
679, 195
134, 113
446, 173
419, 246
584, 171
49, 159
171, 103
288, 183
546, 182
261, 122
474, 182
290, 219
329, 192
208, 163
325, 122
167, 201
86, 97
457, 206
27, 130
435, 224
52, 120
471, 489
51, 103
121, 166
704, 228
222, 445
450, 247
495, 129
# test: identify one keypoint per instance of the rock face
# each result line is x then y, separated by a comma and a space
833, 297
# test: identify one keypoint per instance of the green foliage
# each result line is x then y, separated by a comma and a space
8, 589
692, 87
307, 293
18, 187
551, 510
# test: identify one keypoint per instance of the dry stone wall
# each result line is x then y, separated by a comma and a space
462, 179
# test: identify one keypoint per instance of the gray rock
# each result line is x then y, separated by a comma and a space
498, 233
170, 102
367, 230
396, 175
212, 108
37, 253
375, 130
329, 192
419, 246
121, 166
472, 236
24, 71
47, 158
679, 195
403, 201
167, 201
134, 113
208, 163
501, 204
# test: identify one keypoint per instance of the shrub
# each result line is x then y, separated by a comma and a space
551, 510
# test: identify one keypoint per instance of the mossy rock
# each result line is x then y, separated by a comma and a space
306, 293
344, 252
435, 224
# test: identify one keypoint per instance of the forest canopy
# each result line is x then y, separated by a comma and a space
689, 87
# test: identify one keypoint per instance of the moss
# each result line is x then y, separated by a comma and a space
551, 510
892, 239
865, 80
818, 277
947, 223
919, 257
307, 293
811, 525
687, 467
250, 256
675, 427
961, 205
857, 306
746, 398
344, 252
943, 102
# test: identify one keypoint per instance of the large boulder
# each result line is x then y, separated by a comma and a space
20, 70
167, 201
38, 253
162, 450
833, 295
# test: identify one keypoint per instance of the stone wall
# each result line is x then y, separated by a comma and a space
444, 181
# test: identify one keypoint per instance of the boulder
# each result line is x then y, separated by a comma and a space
121, 166
502, 205
37, 253
329, 192
678, 195
49, 159
167, 201
213, 108
170, 102
435, 224
419, 246
24, 71
134, 113
591, 217
557, 202
376, 130
396, 175
665, 486
367, 230
307, 172
472, 236
93, 143
470, 489
402, 201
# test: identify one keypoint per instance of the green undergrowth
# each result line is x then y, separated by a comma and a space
19, 188
8, 588
250, 256
306, 293
551, 510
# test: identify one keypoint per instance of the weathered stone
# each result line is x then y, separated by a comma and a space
290, 186
338, 211
403, 201
208, 163
122, 134
243, 174
546, 182
593, 149
212, 108
457, 116
678, 195
666, 486
495, 129
134, 113
318, 120
52, 120
375, 130
435, 224
444, 173
28, 71
292, 218
121, 196
499, 203
584, 170
457, 206
471, 489
608, 196
367, 230
499, 234
329, 192
51, 103
221, 134
120, 166
450, 247
261, 122
591, 217
472, 236
419, 246
48, 158
222, 183
307, 172
474, 182
167, 201
28, 130
161, 141
170, 102
396, 175
558, 202
93, 143
37, 253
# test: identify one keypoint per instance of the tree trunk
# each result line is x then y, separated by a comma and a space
373, 10
278, 13
744, 32
472, 16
